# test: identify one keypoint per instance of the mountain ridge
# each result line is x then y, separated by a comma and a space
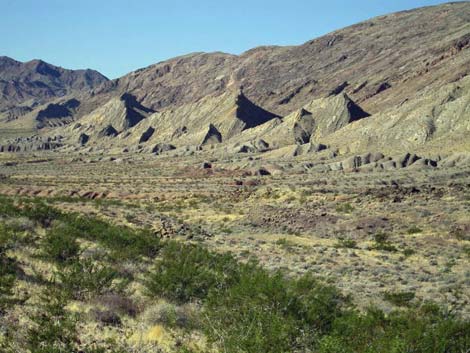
400, 62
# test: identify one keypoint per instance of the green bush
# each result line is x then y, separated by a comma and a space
344, 208
414, 230
346, 243
280, 313
254, 315
382, 243
265, 312
286, 244
86, 278
188, 272
408, 252
124, 242
7, 268
53, 329
399, 298
422, 330
60, 245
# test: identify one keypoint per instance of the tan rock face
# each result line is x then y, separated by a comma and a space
383, 60
395, 83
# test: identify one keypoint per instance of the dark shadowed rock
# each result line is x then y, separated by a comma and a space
180, 132
147, 135
337, 90
162, 148
261, 145
303, 127
83, 139
134, 111
108, 131
212, 136
407, 160
57, 114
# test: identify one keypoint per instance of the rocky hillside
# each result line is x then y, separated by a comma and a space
378, 63
24, 86
395, 84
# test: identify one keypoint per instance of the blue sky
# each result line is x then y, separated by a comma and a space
116, 37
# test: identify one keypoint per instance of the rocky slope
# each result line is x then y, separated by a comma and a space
395, 84
24, 86
379, 63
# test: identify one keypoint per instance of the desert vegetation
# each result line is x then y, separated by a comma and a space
67, 276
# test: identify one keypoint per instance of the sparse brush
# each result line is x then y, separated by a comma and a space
414, 230
382, 243
344, 208
346, 243
399, 298
286, 244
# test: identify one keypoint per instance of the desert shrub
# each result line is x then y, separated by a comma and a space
399, 298
39, 212
460, 231
383, 243
53, 329
266, 312
466, 250
321, 304
346, 243
344, 208
106, 317
422, 330
329, 344
408, 252
171, 315
86, 278
119, 303
414, 230
254, 315
124, 242
60, 245
286, 244
188, 272
7, 268
7, 207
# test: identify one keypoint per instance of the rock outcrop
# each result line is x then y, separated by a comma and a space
212, 136
162, 148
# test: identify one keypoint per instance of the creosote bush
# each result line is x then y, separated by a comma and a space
7, 267
85, 278
60, 245
399, 298
187, 272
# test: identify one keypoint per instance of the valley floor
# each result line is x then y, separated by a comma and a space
388, 239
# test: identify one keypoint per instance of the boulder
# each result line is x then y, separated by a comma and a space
160, 148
